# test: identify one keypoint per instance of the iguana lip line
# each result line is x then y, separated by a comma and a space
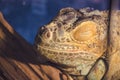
76, 53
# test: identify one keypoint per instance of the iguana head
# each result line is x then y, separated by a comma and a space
74, 37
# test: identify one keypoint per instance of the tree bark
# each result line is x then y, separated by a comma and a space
114, 47
18, 59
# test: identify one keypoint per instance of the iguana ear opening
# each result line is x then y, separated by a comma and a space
84, 31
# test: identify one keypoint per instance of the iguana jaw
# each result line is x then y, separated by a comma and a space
68, 50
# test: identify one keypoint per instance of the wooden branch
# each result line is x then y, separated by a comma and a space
114, 47
18, 59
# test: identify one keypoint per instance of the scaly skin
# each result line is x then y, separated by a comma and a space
75, 39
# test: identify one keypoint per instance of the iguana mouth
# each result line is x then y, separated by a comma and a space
67, 51
65, 57
62, 47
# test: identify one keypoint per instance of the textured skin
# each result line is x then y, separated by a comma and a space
74, 39
114, 47
98, 71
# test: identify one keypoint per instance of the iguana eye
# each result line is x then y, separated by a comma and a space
84, 31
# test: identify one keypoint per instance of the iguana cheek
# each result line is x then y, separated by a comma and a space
84, 31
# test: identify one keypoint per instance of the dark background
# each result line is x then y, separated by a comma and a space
26, 16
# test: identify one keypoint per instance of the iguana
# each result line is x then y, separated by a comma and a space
76, 41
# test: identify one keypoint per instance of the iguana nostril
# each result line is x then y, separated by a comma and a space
47, 34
